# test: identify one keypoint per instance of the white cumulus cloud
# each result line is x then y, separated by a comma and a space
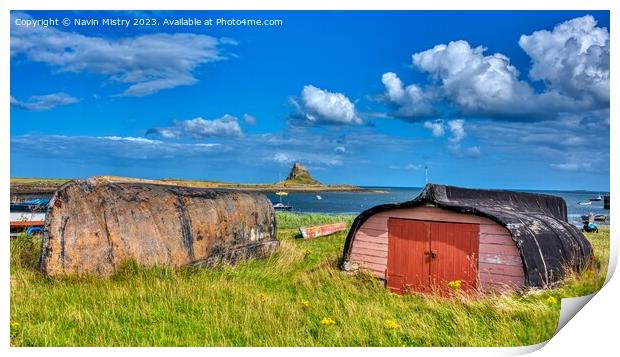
436, 127
475, 82
572, 59
318, 106
199, 128
457, 130
249, 119
410, 101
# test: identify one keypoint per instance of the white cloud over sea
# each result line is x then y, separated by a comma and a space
144, 64
321, 107
572, 61
199, 128
43, 102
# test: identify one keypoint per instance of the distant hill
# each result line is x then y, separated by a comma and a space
300, 176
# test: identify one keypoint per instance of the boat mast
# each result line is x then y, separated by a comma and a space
426, 174
279, 181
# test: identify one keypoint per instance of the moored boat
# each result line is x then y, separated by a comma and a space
282, 207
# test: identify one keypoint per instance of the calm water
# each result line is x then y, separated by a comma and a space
354, 203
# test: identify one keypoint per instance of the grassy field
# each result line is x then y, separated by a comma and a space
297, 297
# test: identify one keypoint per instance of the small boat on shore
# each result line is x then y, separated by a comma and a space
22, 220
322, 230
34, 205
600, 217
29, 213
593, 218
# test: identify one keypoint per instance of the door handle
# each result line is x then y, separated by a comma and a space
432, 254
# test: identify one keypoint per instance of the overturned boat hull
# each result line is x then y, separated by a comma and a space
93, 226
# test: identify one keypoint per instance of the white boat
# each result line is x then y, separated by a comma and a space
28, 213
27, 219
585, 203
318, 197
597, 198
282, 207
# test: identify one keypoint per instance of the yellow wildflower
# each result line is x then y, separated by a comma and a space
327, 321
552, 300
14, 325
305, 304
261, 296
390, 324
455, 284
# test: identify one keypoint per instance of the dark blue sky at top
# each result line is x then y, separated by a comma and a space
338, 51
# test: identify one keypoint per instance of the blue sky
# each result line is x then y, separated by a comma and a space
484, 99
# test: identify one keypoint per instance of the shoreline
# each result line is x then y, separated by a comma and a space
28, 186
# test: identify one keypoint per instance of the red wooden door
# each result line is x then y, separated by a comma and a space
408, 267
424, 255
455, 255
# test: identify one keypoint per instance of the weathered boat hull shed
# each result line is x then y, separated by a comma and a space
92, 226
485, 239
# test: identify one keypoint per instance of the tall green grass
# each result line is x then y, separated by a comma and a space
277, 301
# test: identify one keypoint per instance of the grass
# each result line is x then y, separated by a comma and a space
297, 297
300, 181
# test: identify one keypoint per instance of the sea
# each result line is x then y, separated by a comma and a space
356, 202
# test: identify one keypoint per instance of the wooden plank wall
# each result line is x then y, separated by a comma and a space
499, 265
